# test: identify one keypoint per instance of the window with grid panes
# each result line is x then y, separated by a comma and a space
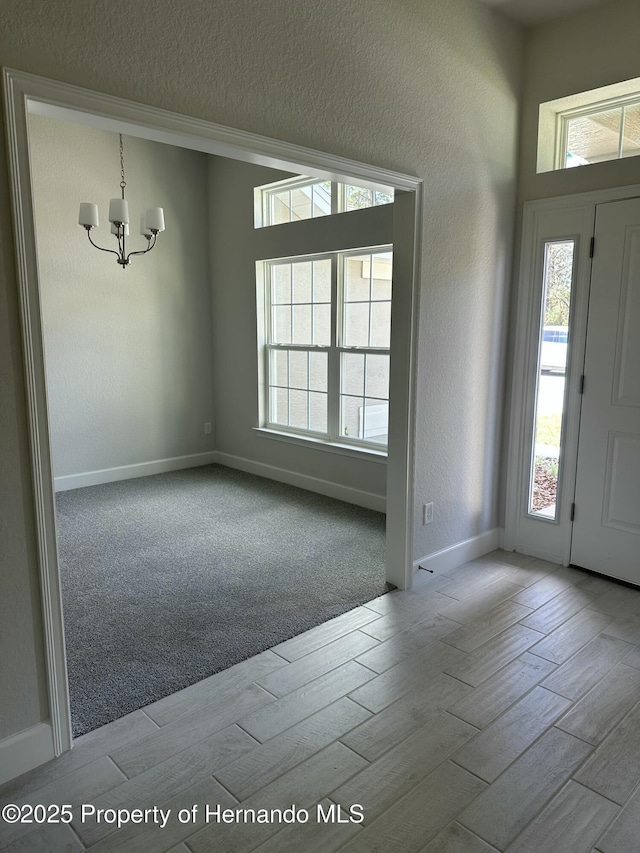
593, 135
307, 198
290, 201
326, 356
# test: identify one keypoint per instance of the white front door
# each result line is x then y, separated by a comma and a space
606, 528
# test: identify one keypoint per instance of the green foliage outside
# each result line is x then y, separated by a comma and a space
548, 430
547, 465
359, 197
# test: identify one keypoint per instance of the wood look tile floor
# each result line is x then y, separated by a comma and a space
492, 707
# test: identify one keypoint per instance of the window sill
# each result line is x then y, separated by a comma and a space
368, 453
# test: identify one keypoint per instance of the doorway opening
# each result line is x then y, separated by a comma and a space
42, 97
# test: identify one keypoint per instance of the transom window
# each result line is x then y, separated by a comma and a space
590, 127
308, 198
595, 135
327, 322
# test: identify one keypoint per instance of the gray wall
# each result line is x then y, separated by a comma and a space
128, 352
235, 247
426, 88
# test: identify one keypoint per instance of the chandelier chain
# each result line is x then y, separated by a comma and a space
123, 183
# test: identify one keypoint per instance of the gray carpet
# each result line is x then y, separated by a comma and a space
171, 578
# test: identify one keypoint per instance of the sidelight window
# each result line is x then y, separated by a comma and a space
553, 342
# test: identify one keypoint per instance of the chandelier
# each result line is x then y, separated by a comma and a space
152, 222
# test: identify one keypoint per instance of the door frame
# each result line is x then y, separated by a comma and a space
543, 220
26, 93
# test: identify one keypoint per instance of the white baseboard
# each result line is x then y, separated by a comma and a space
304, 481
25, 750
462, 552
129, 472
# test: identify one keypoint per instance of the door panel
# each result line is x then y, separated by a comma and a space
621, 506
627, 370
606, 530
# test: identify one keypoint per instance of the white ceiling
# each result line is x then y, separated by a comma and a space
538, 11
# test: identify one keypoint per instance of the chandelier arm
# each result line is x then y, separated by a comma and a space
95, 245
144, 251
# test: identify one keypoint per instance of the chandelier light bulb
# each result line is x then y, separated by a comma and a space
118, 210
154, 219
88, 215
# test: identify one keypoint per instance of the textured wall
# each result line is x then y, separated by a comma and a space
428, 87
129, 356
235, 247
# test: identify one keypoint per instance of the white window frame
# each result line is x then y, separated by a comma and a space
537, 332
263, 195
332, 439
564, 117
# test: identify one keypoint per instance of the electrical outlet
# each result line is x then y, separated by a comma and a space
207, 428
427, 513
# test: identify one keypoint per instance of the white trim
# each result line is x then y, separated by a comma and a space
456, 555
25, 750
37, 415
304, 481
367, 453
592, 197
108, 112
407, 230
129, 472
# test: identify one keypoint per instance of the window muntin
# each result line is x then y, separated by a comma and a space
327, 370
299, 299
631, 133
298, 389
558, 117
309, 198
599, 133
367, 300
364, 396
359, 198
291, 201
550, 392
301, 302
